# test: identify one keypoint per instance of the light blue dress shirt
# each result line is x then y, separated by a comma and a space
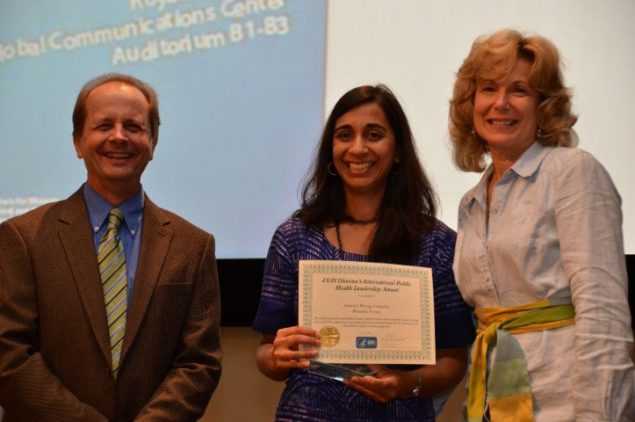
129, 231
553, 230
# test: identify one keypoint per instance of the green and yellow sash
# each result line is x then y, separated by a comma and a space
508, 393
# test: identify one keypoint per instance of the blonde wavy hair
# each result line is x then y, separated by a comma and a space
493, 57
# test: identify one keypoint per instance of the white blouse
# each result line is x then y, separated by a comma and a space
555, 231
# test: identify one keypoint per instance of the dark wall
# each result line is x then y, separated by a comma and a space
240, 281
630, 266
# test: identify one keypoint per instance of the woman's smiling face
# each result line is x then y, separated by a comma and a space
363, 149
505, 111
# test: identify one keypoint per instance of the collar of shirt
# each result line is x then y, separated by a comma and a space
531, 159
98, 209
525, 167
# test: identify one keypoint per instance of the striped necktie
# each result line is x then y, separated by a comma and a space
112, 269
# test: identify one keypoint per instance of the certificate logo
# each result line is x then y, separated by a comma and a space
329, 336
366, 342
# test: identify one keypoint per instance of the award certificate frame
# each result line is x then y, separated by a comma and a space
368, 313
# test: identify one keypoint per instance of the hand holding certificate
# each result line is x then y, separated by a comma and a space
368, 313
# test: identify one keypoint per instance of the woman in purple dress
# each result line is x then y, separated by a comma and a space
368, 199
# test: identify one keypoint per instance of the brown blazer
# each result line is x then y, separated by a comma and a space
54, 342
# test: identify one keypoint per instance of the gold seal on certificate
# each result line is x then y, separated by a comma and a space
329, 336
368, 313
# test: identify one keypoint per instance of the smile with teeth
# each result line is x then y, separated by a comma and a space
117, 155
502, 122
359, 168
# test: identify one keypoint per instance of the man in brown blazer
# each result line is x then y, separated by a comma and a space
57, 318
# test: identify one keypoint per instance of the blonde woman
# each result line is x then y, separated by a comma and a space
539, 250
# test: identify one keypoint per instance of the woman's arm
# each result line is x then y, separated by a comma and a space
430, 380
589, 229
279, 352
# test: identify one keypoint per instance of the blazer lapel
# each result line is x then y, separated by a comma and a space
154, 248
77, 241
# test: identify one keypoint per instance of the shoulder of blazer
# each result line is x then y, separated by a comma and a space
47, 217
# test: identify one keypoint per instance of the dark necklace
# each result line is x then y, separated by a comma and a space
351, 221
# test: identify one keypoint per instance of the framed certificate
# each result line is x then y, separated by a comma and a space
368, 313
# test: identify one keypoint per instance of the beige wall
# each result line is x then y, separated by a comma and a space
246, 395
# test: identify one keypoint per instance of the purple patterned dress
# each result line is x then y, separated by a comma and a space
310, 397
